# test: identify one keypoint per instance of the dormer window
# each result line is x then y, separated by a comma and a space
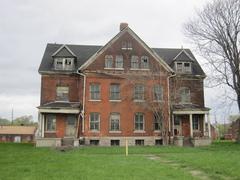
183, 67
64, 63
108, 61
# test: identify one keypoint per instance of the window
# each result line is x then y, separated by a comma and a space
115, 142
115, 122
62, 93
114, 92
139, 92
64, 63
134, 62
119, 61
139, 142
177, 120
144, 62
157, 121
126, 45
157, 92
50, 124
94, 142
184, 95
139, 121
195, 122
158, 142
183, 67
108, 61
94, 121
94, 91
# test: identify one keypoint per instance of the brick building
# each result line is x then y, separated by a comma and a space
122, 90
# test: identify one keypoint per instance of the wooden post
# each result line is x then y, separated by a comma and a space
126, 144
204, 128
209, 125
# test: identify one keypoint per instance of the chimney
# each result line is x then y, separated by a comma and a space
123, 26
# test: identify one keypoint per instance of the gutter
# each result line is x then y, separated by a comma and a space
169, 117
84, 92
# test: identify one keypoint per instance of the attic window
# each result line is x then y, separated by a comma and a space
126, 45
64, 63
108, 61
144, 62
183, 67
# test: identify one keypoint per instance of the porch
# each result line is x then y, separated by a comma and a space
59, 125
191, 127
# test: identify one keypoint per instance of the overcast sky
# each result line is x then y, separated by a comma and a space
26, 27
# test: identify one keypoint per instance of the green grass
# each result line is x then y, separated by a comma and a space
24, 161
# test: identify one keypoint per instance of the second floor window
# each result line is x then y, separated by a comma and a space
62, 93
114, 92
144, 62
119, 61
139, 92
50, 122
157, 92
115, 122
95, 91
134, 62
94, 121
184, 94
108, 61
139, 121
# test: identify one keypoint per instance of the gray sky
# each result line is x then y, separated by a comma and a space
26, 27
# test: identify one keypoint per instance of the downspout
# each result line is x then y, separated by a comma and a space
169, 116
83, 101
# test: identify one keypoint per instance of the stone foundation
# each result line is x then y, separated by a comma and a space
178, 141
106, 141
201, 142
48, 142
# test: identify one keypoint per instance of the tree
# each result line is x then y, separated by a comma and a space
4, 122
24, 120
215, 32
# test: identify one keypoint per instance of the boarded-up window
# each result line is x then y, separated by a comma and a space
62, 93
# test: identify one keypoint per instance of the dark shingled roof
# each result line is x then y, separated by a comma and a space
84, 52
189, 107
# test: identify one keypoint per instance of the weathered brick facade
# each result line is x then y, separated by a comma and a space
57, 119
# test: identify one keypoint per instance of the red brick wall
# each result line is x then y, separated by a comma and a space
50, 82
194, 84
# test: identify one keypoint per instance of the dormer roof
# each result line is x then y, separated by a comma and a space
63, 51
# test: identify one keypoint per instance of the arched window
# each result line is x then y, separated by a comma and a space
108, 61
184, 93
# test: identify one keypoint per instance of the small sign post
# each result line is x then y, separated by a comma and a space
126, 147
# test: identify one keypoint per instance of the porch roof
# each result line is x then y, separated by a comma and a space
61, 107
189, 109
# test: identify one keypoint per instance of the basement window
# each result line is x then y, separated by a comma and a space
139, 142
158, 142
94, 142
115, 142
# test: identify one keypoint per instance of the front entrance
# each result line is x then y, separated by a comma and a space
71, 122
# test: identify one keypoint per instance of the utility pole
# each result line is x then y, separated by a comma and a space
12, 115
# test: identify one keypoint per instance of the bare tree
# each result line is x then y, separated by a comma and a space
215, 31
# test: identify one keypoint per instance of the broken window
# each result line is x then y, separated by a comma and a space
183, 67
64, 63
144, 62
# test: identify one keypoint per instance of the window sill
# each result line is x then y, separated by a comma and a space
139, 69
139, 131
138, 100
157, 131
49, 131
115, 131
119, 69
115, 100
158, 101
94, 131
94, 100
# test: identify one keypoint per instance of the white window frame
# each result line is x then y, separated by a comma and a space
110, 119
99, 92
114, 92
119, 61
108, 61
183, 69
144, 65
67, 63
139, 130
134, 62
98, 121
54, 119
155, 94
139, 93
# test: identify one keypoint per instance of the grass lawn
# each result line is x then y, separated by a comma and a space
23, 161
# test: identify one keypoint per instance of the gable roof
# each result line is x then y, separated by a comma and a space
64, 51
183, 56
137, 38
17, 130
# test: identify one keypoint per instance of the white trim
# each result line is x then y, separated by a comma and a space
89, 117
139, 131
116, 100
64, 46
183, 51
95, 100
191, 125
115, 132
118, 69
139, 69
139, 100
190, 112
141, 42
59, 110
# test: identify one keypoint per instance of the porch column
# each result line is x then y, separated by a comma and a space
191, 128
42, 123
173, 124
204, 128
209, 125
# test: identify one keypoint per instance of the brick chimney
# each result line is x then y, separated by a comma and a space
123, 26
